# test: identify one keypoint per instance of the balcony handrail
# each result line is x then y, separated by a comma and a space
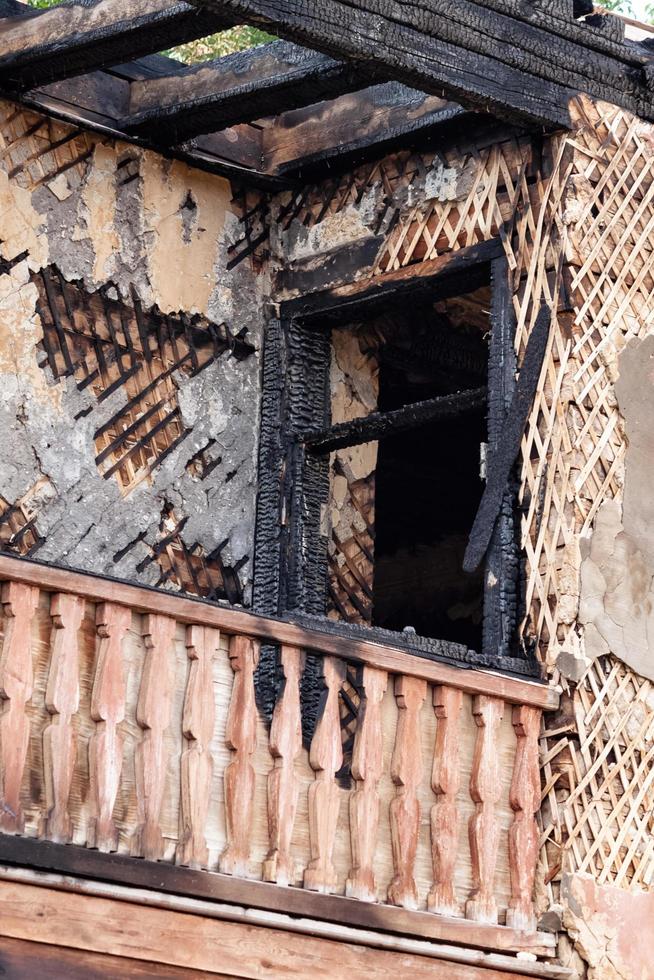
240, 622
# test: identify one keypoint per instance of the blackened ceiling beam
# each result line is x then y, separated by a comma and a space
378, 425
238, 88
515, 58
348, 130
89, 34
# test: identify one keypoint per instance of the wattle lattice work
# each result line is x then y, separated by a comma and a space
106, 345
35, 150
598, 763
604, 822
576, 216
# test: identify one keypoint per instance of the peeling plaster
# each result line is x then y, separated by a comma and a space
617, 570
160, 231
611, 929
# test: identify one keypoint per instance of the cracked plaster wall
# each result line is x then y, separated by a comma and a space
616, 606
159, 231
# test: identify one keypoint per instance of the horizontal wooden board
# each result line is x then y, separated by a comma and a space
180, 938
24, 960
239, 622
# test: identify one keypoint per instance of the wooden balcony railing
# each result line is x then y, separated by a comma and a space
129, 725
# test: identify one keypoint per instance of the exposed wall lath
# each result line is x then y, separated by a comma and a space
107, 345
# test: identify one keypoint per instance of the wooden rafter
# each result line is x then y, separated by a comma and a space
346, 129
499, 54
238, 88
77, 38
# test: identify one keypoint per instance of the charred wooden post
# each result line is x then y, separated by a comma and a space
19, 603
153, 716
241, 738
197, 761
283, 788
108, 711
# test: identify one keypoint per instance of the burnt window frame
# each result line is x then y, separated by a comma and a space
290, 555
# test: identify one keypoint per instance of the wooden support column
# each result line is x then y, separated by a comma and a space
153, 716
326, 758
445, 781
62, 702
283, 788
406, 772
485, 790
107, 710
241, 739
19, 603
524, 797
367, 763
197, 761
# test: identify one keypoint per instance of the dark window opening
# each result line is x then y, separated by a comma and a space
427, 493
399, 531
375, 483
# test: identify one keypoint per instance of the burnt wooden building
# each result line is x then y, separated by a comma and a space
326, 553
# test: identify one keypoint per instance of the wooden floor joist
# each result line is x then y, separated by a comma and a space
238, 88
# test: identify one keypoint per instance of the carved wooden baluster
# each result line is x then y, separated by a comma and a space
485, 790
406, 772
326, 758
367, 761
153, 715
283, 789
197, 762
62, 701
242, 739
107, 710
444, 816
16, 682
523, 836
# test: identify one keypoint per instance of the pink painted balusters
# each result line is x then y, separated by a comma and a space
197, 762
153, 716
406, 772
19, 604
242, 740
62, 703
486, 791
107, 711
326, 758
523, 836
283, 788
367, 767
444, 814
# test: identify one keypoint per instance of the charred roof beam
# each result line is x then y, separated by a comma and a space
241, 87
38, 48
524, 61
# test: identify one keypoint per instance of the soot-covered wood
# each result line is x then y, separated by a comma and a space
75, 38
444, 64
379, 424
240, 87
503, 557
508, 442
